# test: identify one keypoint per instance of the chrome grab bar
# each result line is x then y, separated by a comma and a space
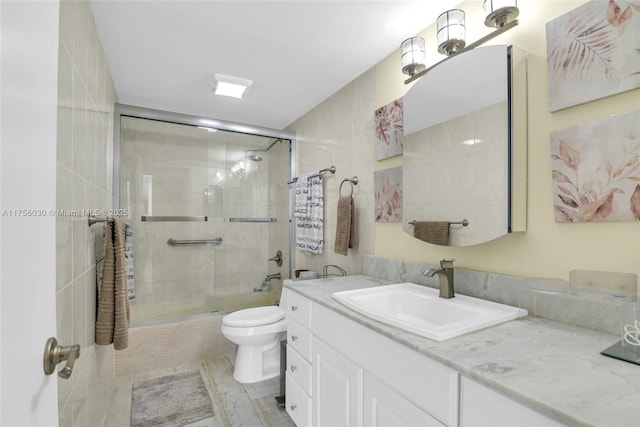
156, 218
216, 241
248, 219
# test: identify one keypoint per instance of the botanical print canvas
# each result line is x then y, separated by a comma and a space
593, 52
389, 130
388, 189
596, 170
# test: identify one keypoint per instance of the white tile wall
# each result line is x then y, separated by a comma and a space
480, 176
340, 131
85, 115
191, 171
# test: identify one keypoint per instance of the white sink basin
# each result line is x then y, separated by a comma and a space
418, 309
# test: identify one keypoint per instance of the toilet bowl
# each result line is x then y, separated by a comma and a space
257, 332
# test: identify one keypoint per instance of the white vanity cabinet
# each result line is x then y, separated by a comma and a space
337, 388
298, 370
359, 377
384, 407
481, 406
384, 378
341, 373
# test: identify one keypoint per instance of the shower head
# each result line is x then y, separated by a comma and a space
252, 157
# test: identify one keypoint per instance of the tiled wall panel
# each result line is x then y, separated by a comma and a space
85, 127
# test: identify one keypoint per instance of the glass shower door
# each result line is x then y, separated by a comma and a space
204, 206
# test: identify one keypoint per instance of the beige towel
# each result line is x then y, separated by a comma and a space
436, 232
346, 230
112, 322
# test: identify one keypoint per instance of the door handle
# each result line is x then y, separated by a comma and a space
54, 354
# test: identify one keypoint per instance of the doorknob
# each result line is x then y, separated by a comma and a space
54, 354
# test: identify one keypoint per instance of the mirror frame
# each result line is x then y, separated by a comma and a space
516, 144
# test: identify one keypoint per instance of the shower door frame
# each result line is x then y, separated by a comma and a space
123, 110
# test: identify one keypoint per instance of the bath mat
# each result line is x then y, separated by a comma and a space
171, 401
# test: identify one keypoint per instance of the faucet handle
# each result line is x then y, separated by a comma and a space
447, 263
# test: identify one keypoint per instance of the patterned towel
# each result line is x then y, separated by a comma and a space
310, 229
303, 196
128, 255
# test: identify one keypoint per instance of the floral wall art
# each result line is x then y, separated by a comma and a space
388, 192
596, 170
593, 51
389, 129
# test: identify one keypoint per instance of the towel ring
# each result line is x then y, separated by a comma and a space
353, 181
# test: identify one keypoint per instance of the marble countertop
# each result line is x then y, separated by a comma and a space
551, 367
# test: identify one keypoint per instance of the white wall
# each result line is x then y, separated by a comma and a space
546, 249
28, 87
340, 132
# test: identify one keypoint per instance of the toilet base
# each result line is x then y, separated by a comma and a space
257, 363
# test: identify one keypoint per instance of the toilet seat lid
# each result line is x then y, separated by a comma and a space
257, 316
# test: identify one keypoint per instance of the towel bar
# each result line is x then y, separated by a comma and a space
216, 241
247, 219
156, 218
353, 181
464, 222
95, 219
331, 169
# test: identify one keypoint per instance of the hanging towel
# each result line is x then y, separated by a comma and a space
100, 251
112, 322
303, 187
310, 229
436, 232
346, 230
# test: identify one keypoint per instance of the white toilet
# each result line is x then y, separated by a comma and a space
258, 332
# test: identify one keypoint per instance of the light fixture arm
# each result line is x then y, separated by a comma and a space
473, 45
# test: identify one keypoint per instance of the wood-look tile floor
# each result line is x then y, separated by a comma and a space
234, 404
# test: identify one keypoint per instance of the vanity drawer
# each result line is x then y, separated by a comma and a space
299, 309
299, 369
298, 404
299, 338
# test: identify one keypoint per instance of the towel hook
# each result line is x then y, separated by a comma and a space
353, 181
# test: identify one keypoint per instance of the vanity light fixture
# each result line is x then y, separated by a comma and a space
501, 12
451, 32
413, 55
235, 87
451, 29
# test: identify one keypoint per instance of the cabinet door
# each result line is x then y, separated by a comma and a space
383, 407
482, 407
337, 384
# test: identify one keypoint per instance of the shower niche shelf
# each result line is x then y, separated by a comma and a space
174, 218
247, 219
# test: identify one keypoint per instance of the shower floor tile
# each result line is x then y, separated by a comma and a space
234, 404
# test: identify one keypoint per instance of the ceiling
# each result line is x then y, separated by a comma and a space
163, 54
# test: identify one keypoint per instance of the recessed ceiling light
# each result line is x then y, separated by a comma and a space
232, 86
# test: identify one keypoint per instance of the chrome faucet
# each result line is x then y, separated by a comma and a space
445, 275
266, 285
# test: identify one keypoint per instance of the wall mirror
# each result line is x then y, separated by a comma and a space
465, 149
